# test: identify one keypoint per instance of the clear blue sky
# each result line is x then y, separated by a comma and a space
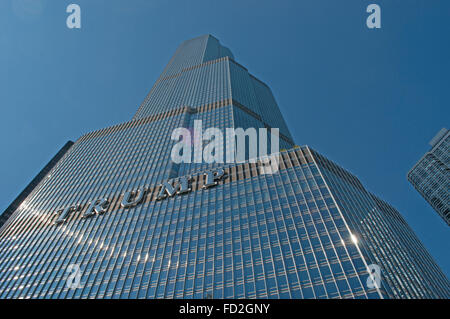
368, 99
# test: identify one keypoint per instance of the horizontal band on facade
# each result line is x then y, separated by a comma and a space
175, 76
194, 67
237, 172
178, 111
226, 58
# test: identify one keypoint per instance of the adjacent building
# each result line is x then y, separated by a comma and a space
431, 175
119, 215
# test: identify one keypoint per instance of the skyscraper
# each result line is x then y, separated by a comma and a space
119, 215
34, 182
431, 175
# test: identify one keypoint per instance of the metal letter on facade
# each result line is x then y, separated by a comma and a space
132, 198
212, 177
98, 206
181, 186
65, 213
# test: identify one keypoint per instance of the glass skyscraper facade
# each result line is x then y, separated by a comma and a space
431, 175
34, 182
309, 230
